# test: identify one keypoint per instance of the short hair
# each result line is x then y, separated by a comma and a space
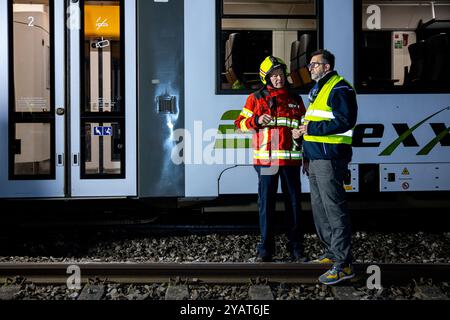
327, 57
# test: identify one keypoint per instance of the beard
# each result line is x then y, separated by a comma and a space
317, 76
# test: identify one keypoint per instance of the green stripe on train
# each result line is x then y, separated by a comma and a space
233, 143
427, 149
391, 148
231, 115
227, 129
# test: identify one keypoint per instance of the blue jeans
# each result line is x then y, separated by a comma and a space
329, 206
267, 195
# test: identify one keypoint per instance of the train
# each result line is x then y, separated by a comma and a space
136, 98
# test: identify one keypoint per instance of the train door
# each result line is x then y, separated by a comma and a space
103, 99
67, 99
32, 110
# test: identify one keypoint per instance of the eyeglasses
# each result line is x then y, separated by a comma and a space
314, 64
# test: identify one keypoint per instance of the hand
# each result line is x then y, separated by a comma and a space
264, 119
305, 167
303, 129
296, 134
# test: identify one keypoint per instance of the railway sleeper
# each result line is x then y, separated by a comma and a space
260, 292
177, 292
9, 292
92, 292
430, 293
346, 293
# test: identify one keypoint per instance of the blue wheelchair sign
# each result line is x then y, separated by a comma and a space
103, 131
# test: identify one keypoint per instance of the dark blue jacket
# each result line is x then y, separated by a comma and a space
342, 101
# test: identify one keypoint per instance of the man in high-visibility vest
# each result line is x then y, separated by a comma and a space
327, 137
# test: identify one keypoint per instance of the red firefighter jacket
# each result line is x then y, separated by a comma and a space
273, 144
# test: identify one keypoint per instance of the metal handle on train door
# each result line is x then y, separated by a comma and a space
60, 111
60, 159
75, 159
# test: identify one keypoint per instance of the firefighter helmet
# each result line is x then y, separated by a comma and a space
268, 65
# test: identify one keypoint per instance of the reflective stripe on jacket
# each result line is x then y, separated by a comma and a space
273, 144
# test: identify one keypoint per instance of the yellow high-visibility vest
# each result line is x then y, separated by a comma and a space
319, 110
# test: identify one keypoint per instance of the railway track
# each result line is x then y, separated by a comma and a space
217, 273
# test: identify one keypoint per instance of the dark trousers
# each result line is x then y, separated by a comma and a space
329, 206
267, 195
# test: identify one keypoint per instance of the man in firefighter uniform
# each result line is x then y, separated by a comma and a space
327, 138
271, 113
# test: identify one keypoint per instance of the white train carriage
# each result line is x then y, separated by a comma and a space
136, 98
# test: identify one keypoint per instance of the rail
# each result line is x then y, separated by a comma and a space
219, 273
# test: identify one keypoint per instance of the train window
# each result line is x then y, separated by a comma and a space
102, 74
403, 46
103, 148
248, 31
31, 110
102, 57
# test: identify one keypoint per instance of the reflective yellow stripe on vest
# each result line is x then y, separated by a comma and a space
319, 110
